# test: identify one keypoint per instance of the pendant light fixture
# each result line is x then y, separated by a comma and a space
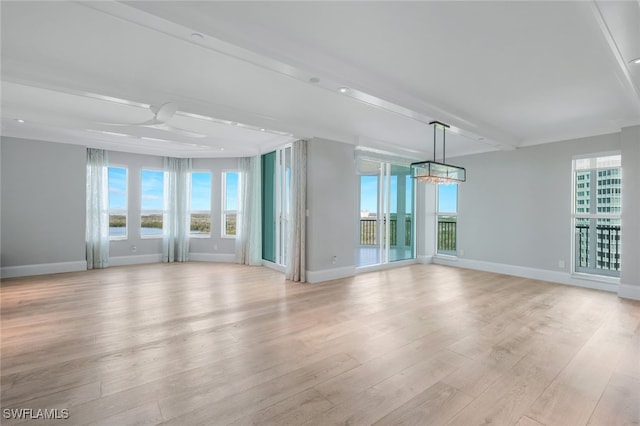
435, 172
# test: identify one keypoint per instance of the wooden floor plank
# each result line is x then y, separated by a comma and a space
202, 343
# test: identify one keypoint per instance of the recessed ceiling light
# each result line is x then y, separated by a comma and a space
343, 89
262, 130
19, 120
635, 61
221, 149
197, 37
233, 123
314, 80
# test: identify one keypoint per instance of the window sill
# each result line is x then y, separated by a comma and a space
200, 236
228, 237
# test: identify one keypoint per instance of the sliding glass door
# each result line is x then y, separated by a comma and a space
276, 200
385, 223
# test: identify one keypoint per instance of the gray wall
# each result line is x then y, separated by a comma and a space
43, 202
515, 207
630, 273
331, 201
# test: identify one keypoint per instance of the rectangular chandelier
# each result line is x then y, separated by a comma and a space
434, 171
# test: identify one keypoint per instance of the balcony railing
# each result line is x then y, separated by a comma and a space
607, 247
446, 236
369, 231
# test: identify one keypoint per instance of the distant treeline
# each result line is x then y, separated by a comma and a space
200, 223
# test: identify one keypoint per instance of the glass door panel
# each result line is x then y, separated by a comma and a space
385, 231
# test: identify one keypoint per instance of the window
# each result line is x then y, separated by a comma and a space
447, 219
201, 204
151, 203
117, 203
596, 215
229, 203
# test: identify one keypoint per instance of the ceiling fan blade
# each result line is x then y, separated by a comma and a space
176, 130
147, 123
185, 132
165, 112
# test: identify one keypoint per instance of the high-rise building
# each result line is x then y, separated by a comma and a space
597, 192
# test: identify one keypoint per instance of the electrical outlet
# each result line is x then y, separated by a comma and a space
561, 264
134, 249
334, 260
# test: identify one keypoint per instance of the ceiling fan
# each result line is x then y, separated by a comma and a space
161, 116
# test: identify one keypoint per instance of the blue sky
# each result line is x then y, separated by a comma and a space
152, 189
232, 191
369, 191
447, 195
448, 198
201, 191
117, 188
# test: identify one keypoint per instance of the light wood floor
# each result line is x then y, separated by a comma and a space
198, 343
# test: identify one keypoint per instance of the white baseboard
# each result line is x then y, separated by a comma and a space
383, 266
135, 260
330, 274
274, 266
212, 257
526, 272
425, 260
42, 269
629, 291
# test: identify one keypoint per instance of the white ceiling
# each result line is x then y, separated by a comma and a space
503, 74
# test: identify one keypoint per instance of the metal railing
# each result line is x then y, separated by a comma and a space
607, 248
446, 235
369, 231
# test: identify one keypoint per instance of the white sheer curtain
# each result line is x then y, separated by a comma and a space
97, 229
249, 219
176, 220
296, 255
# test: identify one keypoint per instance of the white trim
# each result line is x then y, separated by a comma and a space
42, 269
212, 257
330, 274
135, 260
629, 291
274, 266
526, 272
424, 259
383, 266
224, 210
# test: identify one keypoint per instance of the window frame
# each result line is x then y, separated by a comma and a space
223, 205
154, 211
593, 273
124, 212
209, 212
